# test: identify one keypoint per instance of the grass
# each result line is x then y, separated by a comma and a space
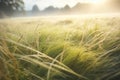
66, 48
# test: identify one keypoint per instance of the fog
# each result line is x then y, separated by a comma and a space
109, 7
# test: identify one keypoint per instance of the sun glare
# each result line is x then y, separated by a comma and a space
96, 1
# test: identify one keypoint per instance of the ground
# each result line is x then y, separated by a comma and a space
60, 48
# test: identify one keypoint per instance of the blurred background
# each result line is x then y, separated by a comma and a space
15, 8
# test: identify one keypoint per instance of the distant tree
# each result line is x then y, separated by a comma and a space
35, 9
8, 7
67, 7
50, 9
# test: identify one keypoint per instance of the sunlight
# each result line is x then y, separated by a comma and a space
94, 1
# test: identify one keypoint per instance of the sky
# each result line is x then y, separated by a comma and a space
42, 4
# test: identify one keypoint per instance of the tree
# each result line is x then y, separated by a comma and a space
8, 7
35, 9
67, 7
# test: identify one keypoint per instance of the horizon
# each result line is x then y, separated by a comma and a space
42, 4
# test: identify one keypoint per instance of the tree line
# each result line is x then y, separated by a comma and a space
8, 7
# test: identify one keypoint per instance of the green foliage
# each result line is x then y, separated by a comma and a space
7, 7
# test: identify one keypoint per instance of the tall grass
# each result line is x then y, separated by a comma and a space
65, 49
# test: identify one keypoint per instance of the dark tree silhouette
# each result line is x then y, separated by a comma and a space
35, 9
67, 7
50, 9
8, 7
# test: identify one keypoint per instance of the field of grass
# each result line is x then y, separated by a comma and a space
60, 48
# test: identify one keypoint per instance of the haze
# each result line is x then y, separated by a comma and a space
42, 4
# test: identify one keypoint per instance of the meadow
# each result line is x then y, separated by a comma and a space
60, 48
